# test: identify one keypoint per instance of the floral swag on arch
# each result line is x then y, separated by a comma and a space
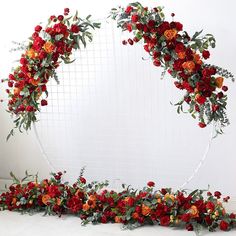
169, 47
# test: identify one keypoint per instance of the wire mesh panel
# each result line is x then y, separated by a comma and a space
112, 114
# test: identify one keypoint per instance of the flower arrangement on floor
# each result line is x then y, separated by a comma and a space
131, 207
183, 57
45, 51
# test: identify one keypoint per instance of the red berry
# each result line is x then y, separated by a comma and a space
156, 62
130, 41
60, 17
124, 42
44, 102
225, 88
172, 14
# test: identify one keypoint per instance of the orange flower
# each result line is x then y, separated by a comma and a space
92, 198
170, 34
135, 215
14, 200
189, 65
194, 211
58, 201
31, 53
48, 47
34, 81
16, 91
145, 210
181, 55
45, 199
117, 219
219, 82
197, 58
86, 207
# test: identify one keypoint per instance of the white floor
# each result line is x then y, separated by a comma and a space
15, 224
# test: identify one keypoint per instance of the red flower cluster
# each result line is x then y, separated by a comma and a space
92, 203
45, 51
182, 56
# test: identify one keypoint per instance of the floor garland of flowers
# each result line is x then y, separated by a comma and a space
93, 203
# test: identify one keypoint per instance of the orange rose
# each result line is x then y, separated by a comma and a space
189, 65
16, 91
34, 81
145, 210
45, 199
194, 211
135, 215
92, 197
197, 58
48, 47
181, 55
31, 53
14, 200
86, 207
170, 34
117, 219
219, 82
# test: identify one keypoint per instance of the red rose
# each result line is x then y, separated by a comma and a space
104, 219
202, 124
139, 26
66, 11
186, 217
151, 24
128, 9
179, 47
224, 225
82, 180
134, 18
156, 62
74, 29
44, 102
163, 191
129, 27
189, 227
178, 26
29, 108
23, 61
165, 221
206, 54
217, 194
150, 184
38, 28
167, 57
60, 18
210, 206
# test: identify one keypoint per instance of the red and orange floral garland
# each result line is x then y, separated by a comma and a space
131, 207
183, 57
47, 48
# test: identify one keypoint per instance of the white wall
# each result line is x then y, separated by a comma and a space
130, 132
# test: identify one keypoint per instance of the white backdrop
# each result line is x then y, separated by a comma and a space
122, 125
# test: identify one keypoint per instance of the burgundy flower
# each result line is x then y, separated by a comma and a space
150, 184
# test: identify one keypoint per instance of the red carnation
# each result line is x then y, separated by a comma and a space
44, 102
202, 124
224, 225
134, 18
206, 54
150, 184
38, 28
74, 29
